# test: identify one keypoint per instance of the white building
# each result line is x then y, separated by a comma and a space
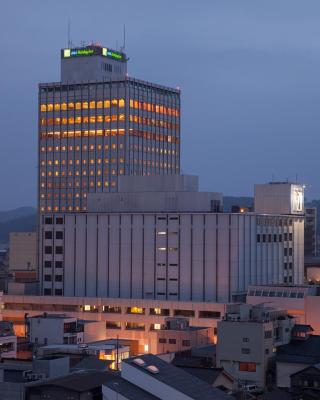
58, 329
8, 340
247, 337
165, 240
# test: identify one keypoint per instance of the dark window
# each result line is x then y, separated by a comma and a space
161, 293
270, 237
173, 265
47, 292
264, 238
48, 221
172, 341
280, 238
245, 350
290, 265
59, 250
285, 236
59, 264
58, 292
245, 339
267, 334
58, 278
59, 235
290, 251
209, 314
47, 278
111, 310
290, 236
267, 351
300, 295
258, 238
290, 281
274, 238
48, 249
285, 251
59, 221
113, 325
162, 340
173, 279
184, 313
173, 218
161, 279
48, 234
186, 343
47, 264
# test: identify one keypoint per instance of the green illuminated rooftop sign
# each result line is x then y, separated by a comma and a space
92, 51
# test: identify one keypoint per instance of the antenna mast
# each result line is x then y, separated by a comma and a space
69, 29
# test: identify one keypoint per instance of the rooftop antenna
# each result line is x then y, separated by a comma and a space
69, 34
122, 48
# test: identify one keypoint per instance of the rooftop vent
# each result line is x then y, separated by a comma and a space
153, 369
139, 361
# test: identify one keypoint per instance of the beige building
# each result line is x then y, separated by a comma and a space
132, 319
23, 251
301, 301
247, 337
177, 335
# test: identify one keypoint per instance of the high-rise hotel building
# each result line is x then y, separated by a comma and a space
97, 124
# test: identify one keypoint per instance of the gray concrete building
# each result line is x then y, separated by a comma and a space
247, 354
167, 241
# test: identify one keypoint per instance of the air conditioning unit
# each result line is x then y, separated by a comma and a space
27, 374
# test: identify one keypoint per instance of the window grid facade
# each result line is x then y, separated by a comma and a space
89, 134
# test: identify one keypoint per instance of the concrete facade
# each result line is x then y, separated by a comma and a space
23, 251
247, 354
168, 256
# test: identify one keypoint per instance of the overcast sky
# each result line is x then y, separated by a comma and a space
249, 72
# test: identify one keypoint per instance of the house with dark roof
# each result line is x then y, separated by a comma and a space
79, 385
305, 384
301, 353
158, 380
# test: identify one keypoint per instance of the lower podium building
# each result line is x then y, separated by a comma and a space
158, 238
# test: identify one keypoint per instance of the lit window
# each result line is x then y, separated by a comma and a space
162, 233
63, 106
121, 103
85, 104
162, 248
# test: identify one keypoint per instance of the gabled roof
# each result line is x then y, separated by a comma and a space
178, 379
298, 328
311, 367
128, 390
302, 351
208, 375
78, 381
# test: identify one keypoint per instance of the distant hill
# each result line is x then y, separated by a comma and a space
21, 219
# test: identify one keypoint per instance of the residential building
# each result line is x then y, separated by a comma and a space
301, 301
312, 270
310, 232
58, 329
149, 377
131, 319
79, 385
8, 340
302, 352
103, 350
177, 335
165, 240
305, 384
23, 251
97, 124
247, 355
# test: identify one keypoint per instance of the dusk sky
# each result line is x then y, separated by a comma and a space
249, 72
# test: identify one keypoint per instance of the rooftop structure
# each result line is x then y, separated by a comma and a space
162, 380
